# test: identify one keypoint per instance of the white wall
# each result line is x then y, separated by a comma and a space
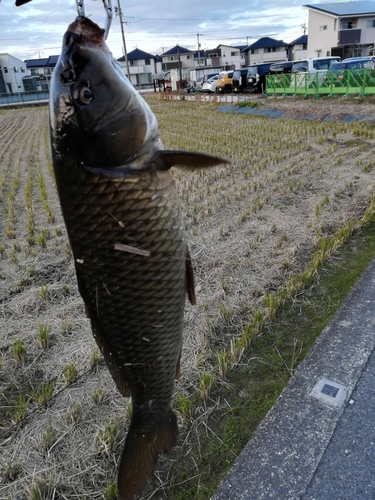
13, 70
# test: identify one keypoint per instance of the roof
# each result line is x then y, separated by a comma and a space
345, 8
266, 41
301, 40
137, 54
199, 54
36, 63
175, 50
161, 75
44, 62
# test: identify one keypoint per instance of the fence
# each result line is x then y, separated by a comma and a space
347, 82
16, 97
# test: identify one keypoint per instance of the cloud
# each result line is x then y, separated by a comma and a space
40, 24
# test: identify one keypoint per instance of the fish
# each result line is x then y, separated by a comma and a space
125, 227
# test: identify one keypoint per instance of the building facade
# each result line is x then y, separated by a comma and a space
142, 66
265, 50
346, 29
12, 71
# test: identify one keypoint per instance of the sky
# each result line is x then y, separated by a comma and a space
36, 28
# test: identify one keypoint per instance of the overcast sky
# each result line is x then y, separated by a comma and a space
36, 28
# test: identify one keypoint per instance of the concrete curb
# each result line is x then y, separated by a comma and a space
280, 460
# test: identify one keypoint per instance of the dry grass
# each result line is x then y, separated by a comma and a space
294, 191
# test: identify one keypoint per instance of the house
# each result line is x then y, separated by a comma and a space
39, 72
178, 58
12, 71
298, 48
345, 29
142, 66
199, 58
231, 57
265, 50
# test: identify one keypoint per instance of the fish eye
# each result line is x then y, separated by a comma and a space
85, 95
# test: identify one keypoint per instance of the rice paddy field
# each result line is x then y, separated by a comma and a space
260, 230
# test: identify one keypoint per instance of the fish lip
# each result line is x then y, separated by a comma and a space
87, 31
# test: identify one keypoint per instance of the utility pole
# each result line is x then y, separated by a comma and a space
198, 35
304, 27
179, 61
119, 13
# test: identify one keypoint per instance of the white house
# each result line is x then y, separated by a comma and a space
12, 70
231, 57
265, 50
40, 72
346, 29
298, 48
142, 66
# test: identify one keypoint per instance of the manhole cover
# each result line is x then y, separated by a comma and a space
330, 393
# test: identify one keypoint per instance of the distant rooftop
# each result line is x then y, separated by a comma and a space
176, 49
361, 8
136, 54
44, 62
301, 40
266, 41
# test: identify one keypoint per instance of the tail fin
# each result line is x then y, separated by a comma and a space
140, 455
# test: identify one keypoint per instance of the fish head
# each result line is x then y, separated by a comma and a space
97, 118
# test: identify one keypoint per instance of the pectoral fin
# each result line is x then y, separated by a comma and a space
187, 160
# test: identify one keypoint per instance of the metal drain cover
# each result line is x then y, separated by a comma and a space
330, 393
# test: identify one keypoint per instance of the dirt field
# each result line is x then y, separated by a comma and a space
294, 187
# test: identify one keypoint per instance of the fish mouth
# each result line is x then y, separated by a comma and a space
87, 31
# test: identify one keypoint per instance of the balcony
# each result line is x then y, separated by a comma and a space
349, 37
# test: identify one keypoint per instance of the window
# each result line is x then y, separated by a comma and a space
131, 63
323, 28
347, 25
267, 50
304, 46
188, 57
147, 62
22, 69
144, 78
371, 23
172, 58
6, 70
233, 53
34, 72
254, 51
335, 25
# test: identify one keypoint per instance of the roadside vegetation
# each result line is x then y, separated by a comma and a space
278, 238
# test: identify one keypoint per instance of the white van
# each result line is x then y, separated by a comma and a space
314, 64
311, 66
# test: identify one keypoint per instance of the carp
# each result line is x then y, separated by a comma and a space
124, 223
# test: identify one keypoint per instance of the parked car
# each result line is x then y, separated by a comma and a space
262, 71
316, 67
210, 85
244, 80
224, 84
314, 64
352, 64
348, 72
199, 83
281, 67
